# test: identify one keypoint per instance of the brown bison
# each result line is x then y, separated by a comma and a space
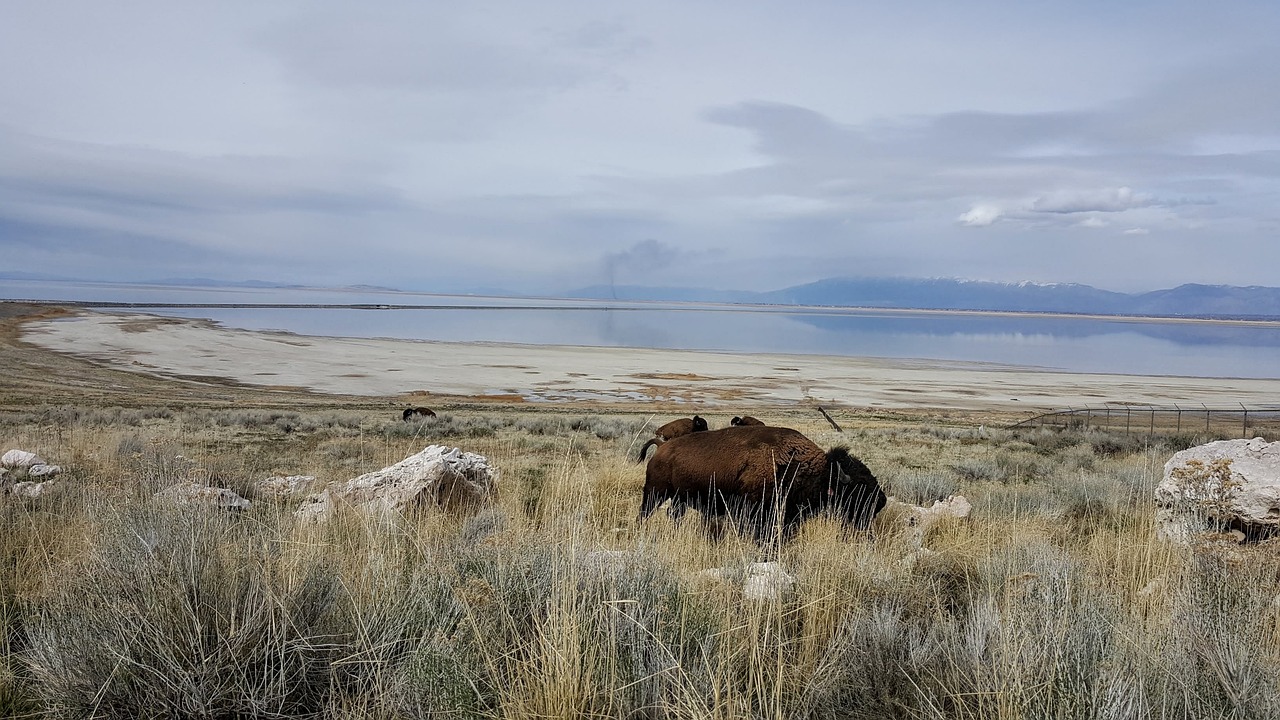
417, 412
753, 471
745, 420
672, 430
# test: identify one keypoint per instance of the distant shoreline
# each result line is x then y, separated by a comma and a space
189, 349
561, 304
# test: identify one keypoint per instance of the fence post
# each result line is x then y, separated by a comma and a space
828, 417
1206, 417
1179, 430
1151, 431
1244, 425
1088, 415
1108, 420
1127, 412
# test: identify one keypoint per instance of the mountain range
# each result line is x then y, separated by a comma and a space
1189, 300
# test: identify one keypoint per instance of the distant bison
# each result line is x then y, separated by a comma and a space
672, 430
745, 420
754, 470
417, 412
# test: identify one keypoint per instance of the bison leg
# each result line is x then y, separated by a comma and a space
650, 501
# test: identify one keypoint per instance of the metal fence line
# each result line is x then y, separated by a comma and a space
1258, 420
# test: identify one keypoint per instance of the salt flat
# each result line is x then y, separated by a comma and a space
543, 373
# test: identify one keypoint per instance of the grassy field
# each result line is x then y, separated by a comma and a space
1054, 599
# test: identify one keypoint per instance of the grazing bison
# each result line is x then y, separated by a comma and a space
417, 412
745, 420
672, 430
755, 470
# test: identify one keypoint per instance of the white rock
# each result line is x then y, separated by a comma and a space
284, 485
767, 581
918, 521
20, 459
1176, 526
34, 490
1252, 497
43, 470
438, 476
195, 494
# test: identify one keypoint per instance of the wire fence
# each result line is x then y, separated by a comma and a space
1239, 421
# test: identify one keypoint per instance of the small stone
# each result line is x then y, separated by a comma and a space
195, 494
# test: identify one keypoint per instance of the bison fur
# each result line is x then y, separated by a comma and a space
417, 412
745, 420
672, 430
754, 472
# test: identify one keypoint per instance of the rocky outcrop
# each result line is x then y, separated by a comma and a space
913, 522
35, 490
284, 486
22, 462
43, 470
20, 459
1226, 484
439, 476
192, 494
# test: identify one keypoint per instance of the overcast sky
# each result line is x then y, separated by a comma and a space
542, 146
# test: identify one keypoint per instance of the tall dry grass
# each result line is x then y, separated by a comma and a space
1053, 600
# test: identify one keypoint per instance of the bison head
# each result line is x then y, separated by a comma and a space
852, 491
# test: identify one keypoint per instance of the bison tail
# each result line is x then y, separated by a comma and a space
645, 448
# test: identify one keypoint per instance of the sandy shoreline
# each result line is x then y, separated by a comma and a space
563, 374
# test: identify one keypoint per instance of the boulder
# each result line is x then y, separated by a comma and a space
915, 521
20, 459
284, 486
439, 476
766, 581
43, 470
192, 494
1232, 483
34, 490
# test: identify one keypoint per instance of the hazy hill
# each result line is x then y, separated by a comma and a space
951, 294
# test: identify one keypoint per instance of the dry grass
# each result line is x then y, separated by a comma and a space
1053, 600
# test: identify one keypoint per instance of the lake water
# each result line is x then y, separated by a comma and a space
1070, 343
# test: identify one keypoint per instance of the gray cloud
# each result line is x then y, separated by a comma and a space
546, 147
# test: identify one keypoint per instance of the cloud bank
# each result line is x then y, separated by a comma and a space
448, 147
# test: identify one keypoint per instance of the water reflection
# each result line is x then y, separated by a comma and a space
1077, 344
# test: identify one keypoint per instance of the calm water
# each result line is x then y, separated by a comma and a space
1075, 344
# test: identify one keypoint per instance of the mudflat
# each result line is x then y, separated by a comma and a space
201, 353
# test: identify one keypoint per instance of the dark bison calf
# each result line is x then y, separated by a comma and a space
753, 471
745, 420
672, 430
417, 412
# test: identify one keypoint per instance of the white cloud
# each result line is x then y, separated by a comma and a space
1137, 231
1099, 200
1093, 222
981, 216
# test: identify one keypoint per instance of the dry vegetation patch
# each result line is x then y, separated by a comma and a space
1053, 599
